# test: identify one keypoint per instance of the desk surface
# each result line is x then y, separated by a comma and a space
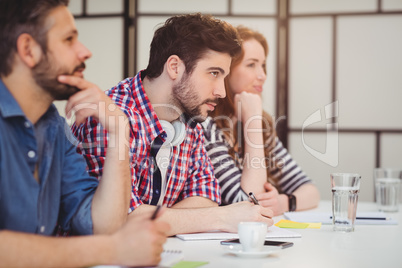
367, 246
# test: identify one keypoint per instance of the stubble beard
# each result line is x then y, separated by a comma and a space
45, 74
185, 96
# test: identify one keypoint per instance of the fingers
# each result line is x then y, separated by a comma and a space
262, 196
266, 203
82, 107
267, 212
84, 102
266, 216
266, 196
271, 192
262, 211
268, 186
95, 103
159, 226
268, 221
75, 81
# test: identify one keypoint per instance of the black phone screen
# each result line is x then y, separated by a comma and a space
266, 243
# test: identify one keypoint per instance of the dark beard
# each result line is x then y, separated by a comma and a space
45, 76
185, 95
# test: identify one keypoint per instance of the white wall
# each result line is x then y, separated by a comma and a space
367, 85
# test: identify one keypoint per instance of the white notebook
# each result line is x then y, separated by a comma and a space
362, 218
273, 232
169, 258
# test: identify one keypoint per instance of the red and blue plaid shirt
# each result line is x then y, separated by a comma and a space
190, 172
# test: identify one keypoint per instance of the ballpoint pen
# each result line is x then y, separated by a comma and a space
156, 212
370, 218
252, 198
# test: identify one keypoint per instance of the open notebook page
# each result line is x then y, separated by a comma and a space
273, 232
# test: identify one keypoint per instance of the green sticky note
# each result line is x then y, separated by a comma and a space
189, 264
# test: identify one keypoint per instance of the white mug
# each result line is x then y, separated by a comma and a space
252, 235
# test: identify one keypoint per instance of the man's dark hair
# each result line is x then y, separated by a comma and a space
23, 16
189, 37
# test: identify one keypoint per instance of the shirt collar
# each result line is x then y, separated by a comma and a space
9, 107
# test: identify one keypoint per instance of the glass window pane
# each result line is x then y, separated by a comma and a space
146, 27
368, 71
310, 69
260, 7
391, 150
75, 7
182, 6
356, 154
104, 6
391, 5
331, 6
105, 67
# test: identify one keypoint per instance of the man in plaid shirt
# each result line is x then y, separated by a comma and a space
189, 59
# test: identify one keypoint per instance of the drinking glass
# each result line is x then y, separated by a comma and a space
387, 188
345, 189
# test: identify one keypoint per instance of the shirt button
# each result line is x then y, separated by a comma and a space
42, 229
31, 154
27, 124
157, 191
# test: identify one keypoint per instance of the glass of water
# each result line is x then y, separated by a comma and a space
387, 188
345, 189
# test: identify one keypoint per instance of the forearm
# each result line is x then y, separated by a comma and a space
254, 173
185, 219
112, 198
28, 250
307, 197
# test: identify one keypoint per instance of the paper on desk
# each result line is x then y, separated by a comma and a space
273, 232
325, 217
170, 257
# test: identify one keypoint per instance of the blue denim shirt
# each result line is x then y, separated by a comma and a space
65, 190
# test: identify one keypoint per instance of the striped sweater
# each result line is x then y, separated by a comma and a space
228, 170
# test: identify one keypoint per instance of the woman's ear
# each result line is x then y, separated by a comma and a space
28, 50
174, 67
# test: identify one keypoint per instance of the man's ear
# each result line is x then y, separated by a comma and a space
28, 50
174, 67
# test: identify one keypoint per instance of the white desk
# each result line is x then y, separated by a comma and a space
367, 246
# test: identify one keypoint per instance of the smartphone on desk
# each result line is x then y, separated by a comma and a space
268, 243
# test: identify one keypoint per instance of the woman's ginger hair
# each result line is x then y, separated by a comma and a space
225, 109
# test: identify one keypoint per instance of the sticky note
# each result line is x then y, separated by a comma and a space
298, 225
189, 264
291, 224
314, 225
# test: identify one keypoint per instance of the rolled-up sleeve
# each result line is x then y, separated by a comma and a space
77, 191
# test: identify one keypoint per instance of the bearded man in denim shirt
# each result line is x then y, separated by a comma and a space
43, 181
